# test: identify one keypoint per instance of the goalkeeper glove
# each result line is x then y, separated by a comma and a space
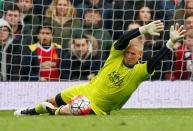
152, 28
175, 35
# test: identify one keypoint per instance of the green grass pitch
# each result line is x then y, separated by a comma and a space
122, 120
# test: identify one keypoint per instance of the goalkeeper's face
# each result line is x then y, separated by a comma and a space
131, 55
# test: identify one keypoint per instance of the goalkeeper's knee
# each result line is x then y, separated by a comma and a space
44, 107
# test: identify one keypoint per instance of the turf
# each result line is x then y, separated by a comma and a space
122, 120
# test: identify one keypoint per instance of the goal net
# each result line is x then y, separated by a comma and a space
70, 40
95, 24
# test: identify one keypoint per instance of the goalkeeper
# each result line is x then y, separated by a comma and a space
118, 78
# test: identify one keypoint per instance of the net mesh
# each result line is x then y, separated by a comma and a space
82, 34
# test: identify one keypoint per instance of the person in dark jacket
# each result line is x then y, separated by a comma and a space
83, 60
12, 16
6, 45
28, 20
92, 25
104, 8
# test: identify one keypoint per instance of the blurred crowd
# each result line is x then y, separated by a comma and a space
64, 40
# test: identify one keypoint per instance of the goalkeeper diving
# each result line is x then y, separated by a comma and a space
120, 76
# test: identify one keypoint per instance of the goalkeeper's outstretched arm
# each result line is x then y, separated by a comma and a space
152, 28
176, 34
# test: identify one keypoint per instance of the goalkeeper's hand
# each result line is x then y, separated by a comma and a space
154, 28
176, 33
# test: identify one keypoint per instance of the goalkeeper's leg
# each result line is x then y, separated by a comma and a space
41, 108
50, 106
44, 107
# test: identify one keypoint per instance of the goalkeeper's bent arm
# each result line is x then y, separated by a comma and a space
175, 35
152, 28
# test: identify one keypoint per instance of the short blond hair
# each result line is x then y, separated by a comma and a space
138, 42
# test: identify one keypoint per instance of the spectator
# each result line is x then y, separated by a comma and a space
12, 16
124, 14
62, 15
105, 10
28, 20
188, 22
83, 61
6, 50
181, 13
41, 60
166, 9
144, 14
92, 26
183, 62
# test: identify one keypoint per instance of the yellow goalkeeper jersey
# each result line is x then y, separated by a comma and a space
113, 85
